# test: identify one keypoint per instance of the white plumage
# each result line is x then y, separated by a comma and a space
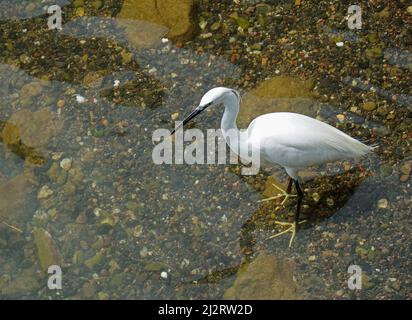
296, 141
291, 140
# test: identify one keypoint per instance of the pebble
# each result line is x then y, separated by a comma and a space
164, 275
80, 99
369, 106
44, 192
144, 252
383, 203
175, 116
66, 164
312, 258
340, 117
60, 103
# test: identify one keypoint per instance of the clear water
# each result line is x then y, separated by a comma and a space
120, 226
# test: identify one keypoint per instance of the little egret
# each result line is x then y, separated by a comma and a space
292, 140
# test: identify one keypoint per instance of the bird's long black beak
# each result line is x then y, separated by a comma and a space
193, 114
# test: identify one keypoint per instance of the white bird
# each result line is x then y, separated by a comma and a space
292, 140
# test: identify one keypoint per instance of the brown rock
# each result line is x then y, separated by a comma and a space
277, 94
147, 21
266, 277
13, 194
34, 129
47, 250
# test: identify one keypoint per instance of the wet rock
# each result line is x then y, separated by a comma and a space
44, 192
13, 195
24, 283
97, 4
150, 20
47, 250
267, 277
369, 106
57, 174
31, 89
34, 128
95, 260
373, 53
66, 164
385, 170
154, 266
88, 290
10, 136
383, 203
126, 56
277, 94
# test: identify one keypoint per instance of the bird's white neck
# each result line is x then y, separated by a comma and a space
228, 124
231, 104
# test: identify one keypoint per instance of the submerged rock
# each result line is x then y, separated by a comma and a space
266, 277
275, 95
47, 250
13, 195
23, 283
147, 21
34, 128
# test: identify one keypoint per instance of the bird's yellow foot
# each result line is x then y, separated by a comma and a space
292, 229
282, 193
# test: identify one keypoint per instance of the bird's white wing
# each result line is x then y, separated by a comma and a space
296, 141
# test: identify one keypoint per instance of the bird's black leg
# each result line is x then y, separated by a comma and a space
289, 189
300, 198
292, 227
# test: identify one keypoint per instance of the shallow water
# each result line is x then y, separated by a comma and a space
79, 189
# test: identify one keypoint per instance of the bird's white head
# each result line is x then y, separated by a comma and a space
211, 98
216, 95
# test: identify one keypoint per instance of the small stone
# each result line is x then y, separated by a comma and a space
175, 116
369, 106
153, 266
47, 250
316, 197
126, 56
404, 178
97, 4
80, 99
406, 168
144, 252
206, 35
242, 22
66, 164
84, 245
339, 44
44, 192
103, 295
93, 261
340, 117
163, 274
385, 170
312, 258
60, 103
80, 11
383, 203
78, 3
215, 26
330, 202
81, 218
